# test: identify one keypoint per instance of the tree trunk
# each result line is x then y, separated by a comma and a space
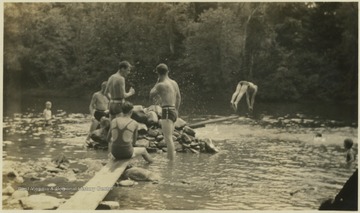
245, 61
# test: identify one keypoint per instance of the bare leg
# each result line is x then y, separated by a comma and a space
168, 129
236, 93
241, 93
142, 151
253, 98
93, 126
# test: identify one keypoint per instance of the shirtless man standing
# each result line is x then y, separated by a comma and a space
241, 88
115, 89
167, 90
98, 108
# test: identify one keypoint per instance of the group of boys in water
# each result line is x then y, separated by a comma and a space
111, 102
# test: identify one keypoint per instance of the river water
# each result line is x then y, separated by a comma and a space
271, 161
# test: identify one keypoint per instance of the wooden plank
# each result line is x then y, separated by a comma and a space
94, 191
202, 123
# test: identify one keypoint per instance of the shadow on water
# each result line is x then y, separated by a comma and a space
273, 162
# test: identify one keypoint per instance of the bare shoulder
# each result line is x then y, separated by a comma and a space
135, 124
95, 95
119, 77
173, 82
115, 77
160, 85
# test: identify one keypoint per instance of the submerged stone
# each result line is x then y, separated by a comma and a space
209, 146
140, 174
126, 183
108, 205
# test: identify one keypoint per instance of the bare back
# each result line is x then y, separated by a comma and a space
168, 91
115, 86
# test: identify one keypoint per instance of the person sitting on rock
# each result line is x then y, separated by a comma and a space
350, 156
123, 135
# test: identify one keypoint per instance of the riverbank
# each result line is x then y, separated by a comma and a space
24, 101
81, 93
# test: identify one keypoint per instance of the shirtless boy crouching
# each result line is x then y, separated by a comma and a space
98, 108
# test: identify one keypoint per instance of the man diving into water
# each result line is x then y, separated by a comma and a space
244, 87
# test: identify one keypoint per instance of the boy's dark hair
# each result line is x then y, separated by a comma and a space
348, 143
124, 64
127, 107
162, 69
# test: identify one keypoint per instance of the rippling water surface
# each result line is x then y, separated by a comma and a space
263, 171
261, 165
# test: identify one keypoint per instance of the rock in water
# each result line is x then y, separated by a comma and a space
155, 108
18, 194
140, 174
40, 202
188, 130
185, 138
61, 158
179, 123
152, 118
142, 129
108, 205
126, 183
139, 115
209, 146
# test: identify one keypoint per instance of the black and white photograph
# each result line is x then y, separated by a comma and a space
179, 105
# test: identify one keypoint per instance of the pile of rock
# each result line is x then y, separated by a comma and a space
16, 197
151, 137
184, 138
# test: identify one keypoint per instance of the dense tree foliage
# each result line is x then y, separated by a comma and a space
293, 51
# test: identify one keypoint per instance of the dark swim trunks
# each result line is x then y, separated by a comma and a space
115, 107
169, 112
98, 114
